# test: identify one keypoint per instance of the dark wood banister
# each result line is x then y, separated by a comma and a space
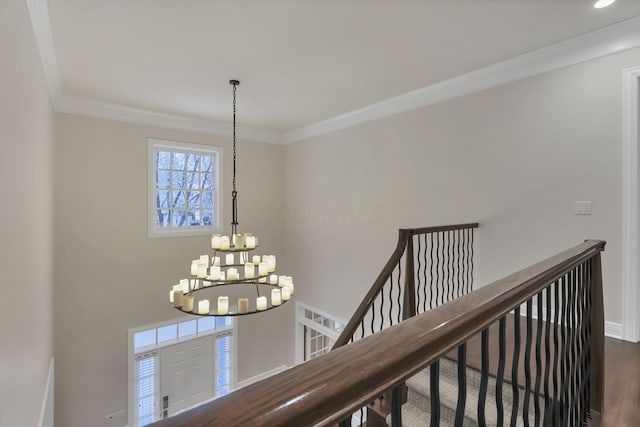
325, 390
404, 234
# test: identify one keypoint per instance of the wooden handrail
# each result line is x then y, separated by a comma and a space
327, 389
404, 236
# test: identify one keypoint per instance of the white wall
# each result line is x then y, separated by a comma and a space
26, 140
515, 158
110, 277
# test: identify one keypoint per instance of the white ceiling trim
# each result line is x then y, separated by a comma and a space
41, 23
103, 110
605, 41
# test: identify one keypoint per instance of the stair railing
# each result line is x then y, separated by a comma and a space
438, 267
566, 292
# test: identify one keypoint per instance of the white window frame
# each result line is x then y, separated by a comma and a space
302, 321
132, 353
153, 144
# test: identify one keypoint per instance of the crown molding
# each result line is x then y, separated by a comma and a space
104, 110
605, 41
43, 34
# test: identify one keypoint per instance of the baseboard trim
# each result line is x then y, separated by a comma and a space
261, 376
613, 330
46, 410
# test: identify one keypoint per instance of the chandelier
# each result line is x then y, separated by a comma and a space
231, 275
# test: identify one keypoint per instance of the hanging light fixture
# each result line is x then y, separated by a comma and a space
232, 273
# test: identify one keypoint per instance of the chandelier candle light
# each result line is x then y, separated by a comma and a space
230, 267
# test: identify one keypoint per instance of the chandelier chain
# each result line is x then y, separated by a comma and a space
234, 193
235, 86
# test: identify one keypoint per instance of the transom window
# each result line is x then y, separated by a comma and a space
184, 188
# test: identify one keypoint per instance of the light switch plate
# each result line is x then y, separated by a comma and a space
583, 207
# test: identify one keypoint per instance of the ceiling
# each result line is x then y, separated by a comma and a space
299, 61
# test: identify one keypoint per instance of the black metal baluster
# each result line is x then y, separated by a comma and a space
581, 339
469, 260
484, 378
396, 406
454, 260
502, 350
431, 283
382, 307
445, 283
576, 346
459, 284
390, 296
462, 384
514, 365
434, 392
438, 281
445, 267
570, 352
571, 386
547, 357
346, 422
464, 261
587, 341
373, 316
471, 276
424, 274
417, 273
579, 344
536, 396
527, 365
399, 318
451, 267
563, 352
556, 351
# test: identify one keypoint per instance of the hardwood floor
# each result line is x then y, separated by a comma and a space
622, 385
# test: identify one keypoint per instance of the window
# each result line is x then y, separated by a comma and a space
184, 188
223, 372
316, 332
147, 409
205, 346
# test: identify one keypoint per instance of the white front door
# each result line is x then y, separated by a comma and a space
186, 375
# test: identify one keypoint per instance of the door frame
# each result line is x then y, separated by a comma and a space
631, 211
131, 354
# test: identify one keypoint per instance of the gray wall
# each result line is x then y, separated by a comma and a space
110, 277
26, 140
515, 158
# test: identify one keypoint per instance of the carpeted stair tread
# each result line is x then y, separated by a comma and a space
414, 416
419, 397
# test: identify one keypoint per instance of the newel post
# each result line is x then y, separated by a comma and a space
409, 300
597, 336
